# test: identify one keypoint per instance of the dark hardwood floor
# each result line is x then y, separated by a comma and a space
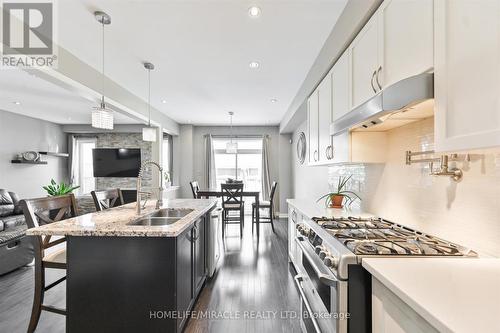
252, 280
252, 276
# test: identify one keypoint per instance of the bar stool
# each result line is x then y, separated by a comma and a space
39, 212
107, 199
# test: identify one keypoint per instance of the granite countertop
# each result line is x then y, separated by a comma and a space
113, 222
312, 209
452, 294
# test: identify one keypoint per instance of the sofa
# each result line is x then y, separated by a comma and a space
16, 250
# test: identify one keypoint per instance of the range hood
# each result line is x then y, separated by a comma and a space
388, 109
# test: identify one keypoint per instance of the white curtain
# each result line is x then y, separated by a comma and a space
73, 159
210, 181
266, 178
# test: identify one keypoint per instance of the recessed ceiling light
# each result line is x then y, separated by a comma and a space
254, 11
274, 100
17, 103
254, 65
164, 101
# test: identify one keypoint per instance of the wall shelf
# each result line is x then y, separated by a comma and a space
27, 162
50, 153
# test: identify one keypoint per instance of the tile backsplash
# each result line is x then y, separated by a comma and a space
467, 212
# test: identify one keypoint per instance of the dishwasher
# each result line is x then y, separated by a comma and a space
214, 240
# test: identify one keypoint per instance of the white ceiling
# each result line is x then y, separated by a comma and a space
201, 50
44, 100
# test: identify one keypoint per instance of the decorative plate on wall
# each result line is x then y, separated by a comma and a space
31, 156
301, 147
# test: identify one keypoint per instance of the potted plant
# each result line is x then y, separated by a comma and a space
54, 189
336, 199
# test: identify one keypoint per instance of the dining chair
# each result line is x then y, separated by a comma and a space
266, 205
107, 199
232, 200
39, 212
194, 188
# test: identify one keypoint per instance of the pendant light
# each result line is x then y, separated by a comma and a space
231, 147
149, 133
102, 116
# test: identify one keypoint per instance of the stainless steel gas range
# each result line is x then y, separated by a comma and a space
335, 289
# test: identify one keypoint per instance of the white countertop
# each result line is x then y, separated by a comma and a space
453, 295
312, 209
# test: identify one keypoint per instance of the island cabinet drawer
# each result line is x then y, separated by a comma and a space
199, 271
184, 273
190, 268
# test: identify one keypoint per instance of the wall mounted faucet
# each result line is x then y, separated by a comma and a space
444, 169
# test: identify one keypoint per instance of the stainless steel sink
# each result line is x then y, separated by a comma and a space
155, 221
172, 212
165, 216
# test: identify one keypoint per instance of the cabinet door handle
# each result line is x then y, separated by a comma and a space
332, 155
196, 235
371, 82
376, 78
329, 152
315, 156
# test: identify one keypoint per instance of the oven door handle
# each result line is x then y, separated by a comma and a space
327, 279
298, 279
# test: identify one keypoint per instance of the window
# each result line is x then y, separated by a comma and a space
245, 165
167, 155
84, 167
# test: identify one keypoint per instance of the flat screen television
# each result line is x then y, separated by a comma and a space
116, 162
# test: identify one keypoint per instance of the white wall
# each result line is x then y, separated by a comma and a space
285, 171
466, 213
185, 159
19, 134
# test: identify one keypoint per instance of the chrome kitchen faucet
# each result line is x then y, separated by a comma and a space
159, 202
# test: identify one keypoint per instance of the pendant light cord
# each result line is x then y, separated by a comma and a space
149, 97
231, 120
102, 62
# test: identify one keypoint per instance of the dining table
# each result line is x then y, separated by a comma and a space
217, 193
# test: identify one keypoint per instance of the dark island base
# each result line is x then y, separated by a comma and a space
130, 284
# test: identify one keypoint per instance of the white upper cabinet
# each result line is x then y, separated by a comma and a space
340, 87
312, 126
364, 63
340, 106
396, 43
406, 38
324, 119
467, 74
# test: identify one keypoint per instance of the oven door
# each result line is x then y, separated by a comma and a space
323, 296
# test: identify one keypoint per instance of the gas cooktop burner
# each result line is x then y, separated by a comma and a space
376, 236
351, 222
398, 234
409, 247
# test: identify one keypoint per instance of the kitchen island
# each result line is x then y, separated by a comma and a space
129, 277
